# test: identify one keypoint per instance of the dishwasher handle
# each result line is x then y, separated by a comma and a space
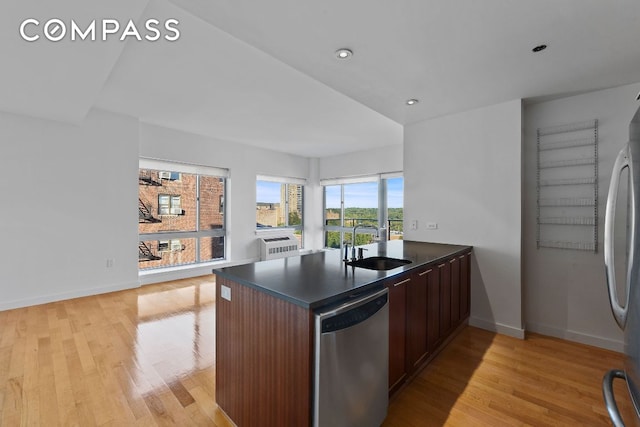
361, 299
609, 398
352, 312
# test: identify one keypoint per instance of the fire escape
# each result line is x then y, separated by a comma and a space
144, 213
145, 178
145, 254
145, 216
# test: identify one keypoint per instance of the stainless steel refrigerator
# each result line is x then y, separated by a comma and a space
626, 313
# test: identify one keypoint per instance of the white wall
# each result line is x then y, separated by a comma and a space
244, 163
313, 204
360, 163
565, 291
68, 205
463, 172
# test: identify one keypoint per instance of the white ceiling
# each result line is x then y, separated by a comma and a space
264, 73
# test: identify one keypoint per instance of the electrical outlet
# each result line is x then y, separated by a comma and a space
225, 292
414, 224
110, 262
432, 226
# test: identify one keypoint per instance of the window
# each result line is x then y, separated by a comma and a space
189, 226
170, 245
169, 205
279, 204
375, 201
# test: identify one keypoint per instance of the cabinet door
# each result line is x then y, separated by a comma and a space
433, 309
397, 331
417, 319
454, 265
445, 298
465, 285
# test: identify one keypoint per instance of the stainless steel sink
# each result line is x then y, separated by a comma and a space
379, 263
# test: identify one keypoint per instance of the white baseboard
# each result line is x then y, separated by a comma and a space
185, 272
579, 337
497, 327
45, 299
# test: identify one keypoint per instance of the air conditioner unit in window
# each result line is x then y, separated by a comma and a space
274, 247
164, 175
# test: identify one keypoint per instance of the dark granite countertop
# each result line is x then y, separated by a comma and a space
322, 278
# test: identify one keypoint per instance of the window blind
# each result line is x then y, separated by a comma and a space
163, 165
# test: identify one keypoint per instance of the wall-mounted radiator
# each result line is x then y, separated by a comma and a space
274, 247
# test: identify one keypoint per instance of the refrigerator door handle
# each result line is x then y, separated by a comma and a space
609, 398
622, 161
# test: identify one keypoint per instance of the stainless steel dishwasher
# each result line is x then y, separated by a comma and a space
352, 362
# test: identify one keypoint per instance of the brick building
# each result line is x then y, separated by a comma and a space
167, 202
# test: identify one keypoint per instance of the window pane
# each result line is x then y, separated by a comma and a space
211, 248
166, 253
166, 203
211, 202
268, 209
278, 205
332, 239
332, 205
361, 204
175, 206
395, 210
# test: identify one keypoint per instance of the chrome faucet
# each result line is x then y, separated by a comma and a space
353, 238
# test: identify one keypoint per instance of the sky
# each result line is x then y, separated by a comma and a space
268, 192
364, 195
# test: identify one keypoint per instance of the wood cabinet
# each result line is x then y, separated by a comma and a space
265, 344
425, 307
444, 270
417, 308
397, 330
264, 358
433, 309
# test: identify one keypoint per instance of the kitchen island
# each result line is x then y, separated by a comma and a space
265, 311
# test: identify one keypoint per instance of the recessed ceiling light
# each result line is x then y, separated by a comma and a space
412, 101
539, 48
344, 53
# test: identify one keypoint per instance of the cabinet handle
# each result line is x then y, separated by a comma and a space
462, 256
451, 261
400, 283
425, 272
441, 265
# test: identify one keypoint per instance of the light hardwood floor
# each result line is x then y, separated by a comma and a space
146, 357
485, 379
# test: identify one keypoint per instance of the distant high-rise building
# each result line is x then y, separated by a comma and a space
290, 202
